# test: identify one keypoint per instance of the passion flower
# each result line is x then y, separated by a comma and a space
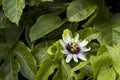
73, 47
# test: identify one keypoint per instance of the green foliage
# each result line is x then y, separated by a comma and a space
62, 72
4, 22
30, 34
111, 28
55, 50
44, 25
100, 62
79, 10
47, 67
47, 0
0, 2
89, 33
115, 57
26, 61
13, 9
10, 68
40, 51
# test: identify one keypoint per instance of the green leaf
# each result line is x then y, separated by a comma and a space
40, 51
63, 72
102, 50
98, 62
118, 78
10, 68
33, 2
57, 8
83, 72
47, 67
79, 66
90, 21
79, 10
54, 34
0, 2
55, 50
13, 9
47, 0
44, 25
115, 54
27, 62
4, 49
110, 34
27, 21
12, 35
94, 48
106, 64
80, 76
106, 73
102, 14
4, 22
89, 33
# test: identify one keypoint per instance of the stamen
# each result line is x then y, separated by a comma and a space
73, 48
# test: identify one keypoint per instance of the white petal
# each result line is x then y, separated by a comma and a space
76, 38
75, 58
83, 43
82, 57
84, 49
62, 44
67, 39
64, 51
69, 57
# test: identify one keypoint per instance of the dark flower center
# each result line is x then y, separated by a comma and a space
73, 48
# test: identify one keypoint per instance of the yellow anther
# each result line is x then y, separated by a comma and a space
73, 47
